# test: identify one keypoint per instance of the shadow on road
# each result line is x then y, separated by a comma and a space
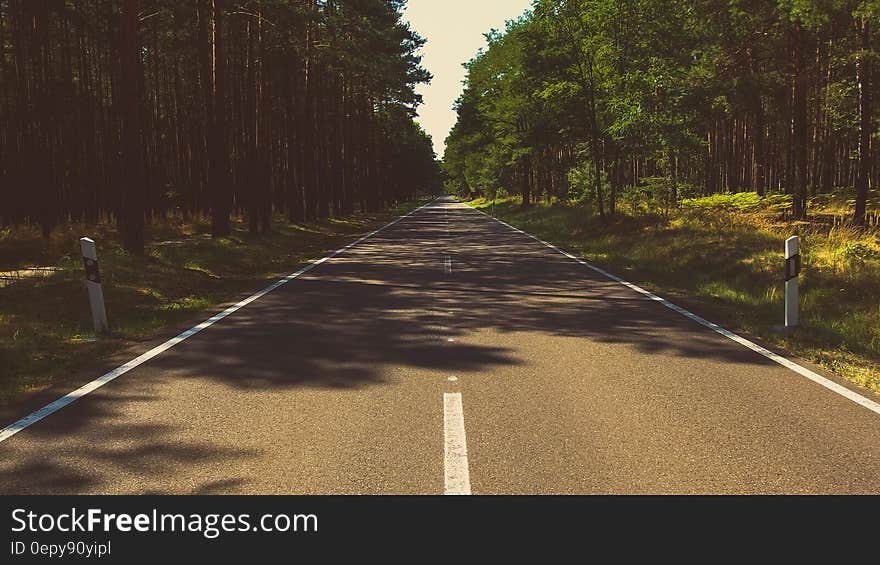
387, 304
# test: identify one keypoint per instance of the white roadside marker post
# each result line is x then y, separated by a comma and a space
93, 284
792, 270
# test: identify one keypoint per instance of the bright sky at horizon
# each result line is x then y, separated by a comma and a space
454, 30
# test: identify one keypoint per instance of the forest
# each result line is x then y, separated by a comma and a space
128, 111
613, 101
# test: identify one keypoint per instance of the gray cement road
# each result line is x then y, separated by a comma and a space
569, 382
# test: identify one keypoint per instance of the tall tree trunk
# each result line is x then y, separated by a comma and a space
866, 123
799, 125
294, 151
251, 186
39, 153
132, 205
218, 157
597, 179
760, 158
264, 137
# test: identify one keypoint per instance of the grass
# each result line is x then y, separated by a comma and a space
45, 324
722, 257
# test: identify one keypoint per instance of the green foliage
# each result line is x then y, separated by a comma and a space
582, 182
738, 202
858, 253
671, 99
658, 193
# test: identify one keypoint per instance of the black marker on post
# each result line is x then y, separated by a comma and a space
93, 284
792, 270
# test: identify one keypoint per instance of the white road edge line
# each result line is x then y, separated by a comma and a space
75, 395
803, 371
455, 461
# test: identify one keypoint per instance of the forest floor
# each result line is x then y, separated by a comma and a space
46, 331
727, 265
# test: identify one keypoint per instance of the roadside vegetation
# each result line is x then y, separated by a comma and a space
46, 332
722, 257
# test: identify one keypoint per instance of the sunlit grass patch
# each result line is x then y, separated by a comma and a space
191, 303
728, 293
151, 293
852, 367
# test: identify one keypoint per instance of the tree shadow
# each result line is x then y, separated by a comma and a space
92, 448
392, 302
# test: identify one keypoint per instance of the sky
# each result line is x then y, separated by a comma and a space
454, 30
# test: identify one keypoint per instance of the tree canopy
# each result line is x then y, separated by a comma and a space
589, 98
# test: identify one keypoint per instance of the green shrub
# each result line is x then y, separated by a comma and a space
857, 253
739, 202
582, 182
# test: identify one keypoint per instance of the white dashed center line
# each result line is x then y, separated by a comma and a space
457, 476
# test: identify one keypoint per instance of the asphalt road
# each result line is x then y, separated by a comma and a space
450, 353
